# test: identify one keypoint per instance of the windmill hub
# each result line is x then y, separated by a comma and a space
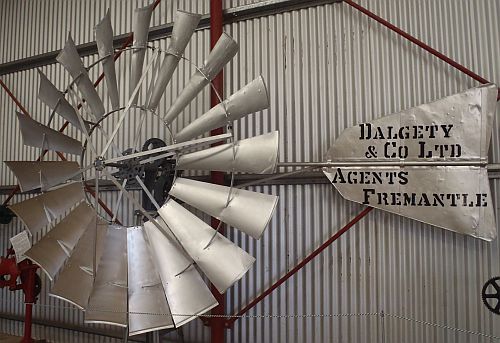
99, 163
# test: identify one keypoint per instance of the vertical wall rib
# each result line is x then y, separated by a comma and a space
327, 68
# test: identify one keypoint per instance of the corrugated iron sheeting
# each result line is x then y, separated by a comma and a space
327, 68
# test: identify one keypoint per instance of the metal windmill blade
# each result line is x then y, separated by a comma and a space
250, 99
140, 25
70, 60
42, 174
41, 136
38, 212
104, 40
225, 49
145, 277
55, 100
184, 287
184, 26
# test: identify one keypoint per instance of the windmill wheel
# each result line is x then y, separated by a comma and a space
144, 277
491, 295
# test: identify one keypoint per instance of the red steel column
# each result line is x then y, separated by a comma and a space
217, 324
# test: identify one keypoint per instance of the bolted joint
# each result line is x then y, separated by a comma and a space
99, 163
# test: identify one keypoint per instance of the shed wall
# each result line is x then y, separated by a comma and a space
327, 67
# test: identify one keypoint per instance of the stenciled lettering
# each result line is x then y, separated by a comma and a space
369, 131
424, 199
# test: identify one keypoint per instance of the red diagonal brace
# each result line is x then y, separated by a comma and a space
299, 266
421, 44
367, 210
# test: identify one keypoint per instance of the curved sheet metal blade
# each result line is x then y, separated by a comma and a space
78, 269
42, 174
247, 211
70, 60
140, 26
187, 294
51, 251
253, 155
147, 304
40, 136
55, 100
104, 40
223, 262
184, 25
251, 98
108, 300
444, 145
39, 211
225, 49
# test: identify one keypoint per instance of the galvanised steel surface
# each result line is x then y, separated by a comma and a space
41, 136
225, 49
37, 212
49, 173
78, 267
53, 249
327, 68
104, 42
55, 100
71, 61
222, 261
147, 303
108, 300
182, 31
251, 98
174, 282
140, 27
257, 155
425, 146
232, 206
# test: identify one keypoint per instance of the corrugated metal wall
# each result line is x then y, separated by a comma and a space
327, 68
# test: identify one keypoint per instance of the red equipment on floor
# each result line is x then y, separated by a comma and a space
29, 282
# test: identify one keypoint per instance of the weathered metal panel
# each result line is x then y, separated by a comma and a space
326, 68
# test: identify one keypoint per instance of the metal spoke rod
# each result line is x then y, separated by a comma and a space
492, 167
144, 212
148, 193
129, 104
382, 163
172, 147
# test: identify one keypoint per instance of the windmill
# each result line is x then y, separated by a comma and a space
147, 277
384, 163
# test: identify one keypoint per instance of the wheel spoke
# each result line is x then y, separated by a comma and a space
129, 104
492, 295
497, 308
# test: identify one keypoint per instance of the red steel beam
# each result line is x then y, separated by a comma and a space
421, 44
217, 323
299, 266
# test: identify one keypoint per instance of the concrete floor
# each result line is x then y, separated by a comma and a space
4, 338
